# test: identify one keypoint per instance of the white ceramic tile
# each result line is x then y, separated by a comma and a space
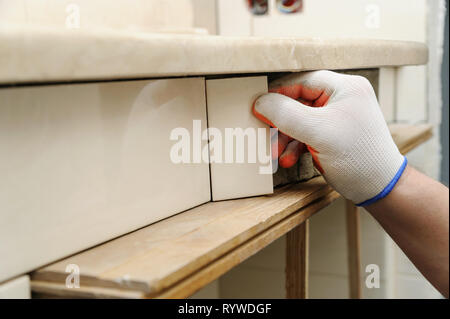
386, 93
86, 14
230, 104
247, 282
383, 292
272, 257
84, 163
205, 15
210, 291
374, 244
404, 265
413, 287
233, 18
409, 282
328, 287
382, 19
328, 241
17, 288
411, 94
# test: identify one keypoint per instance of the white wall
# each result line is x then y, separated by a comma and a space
146, 15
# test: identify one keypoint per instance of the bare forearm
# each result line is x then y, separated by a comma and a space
416, 216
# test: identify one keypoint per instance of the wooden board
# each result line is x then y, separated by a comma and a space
252, 246
203, 276
297, 262
408, 136
157, 256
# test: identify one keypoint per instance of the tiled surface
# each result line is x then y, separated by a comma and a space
411, 100
90, 162
404, 266
325, 286
134, 15
272, 257
414, 287
374, 245
210, 291
17, 288
230, 104
409, 282
248, 282
328, 245
383, 19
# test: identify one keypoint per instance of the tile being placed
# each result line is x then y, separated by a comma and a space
85, 163
235, 136
17, 288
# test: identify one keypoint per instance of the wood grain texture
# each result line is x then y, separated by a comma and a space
189, 285
155, 257
225, 263
408, 136
297, 262
353, 249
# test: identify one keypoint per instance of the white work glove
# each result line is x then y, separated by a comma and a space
347, 137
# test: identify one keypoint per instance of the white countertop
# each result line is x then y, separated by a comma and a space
49, 55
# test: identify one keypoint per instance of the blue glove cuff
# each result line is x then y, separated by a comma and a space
388, 188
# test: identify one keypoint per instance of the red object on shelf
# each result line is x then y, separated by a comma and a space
289, 6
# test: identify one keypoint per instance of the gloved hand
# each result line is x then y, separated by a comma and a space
347, 137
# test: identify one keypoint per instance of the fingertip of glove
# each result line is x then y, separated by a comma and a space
256, 110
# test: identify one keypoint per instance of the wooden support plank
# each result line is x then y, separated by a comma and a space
156, 257
203, 276
408, 137
297, 262
353, 249
253, 246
